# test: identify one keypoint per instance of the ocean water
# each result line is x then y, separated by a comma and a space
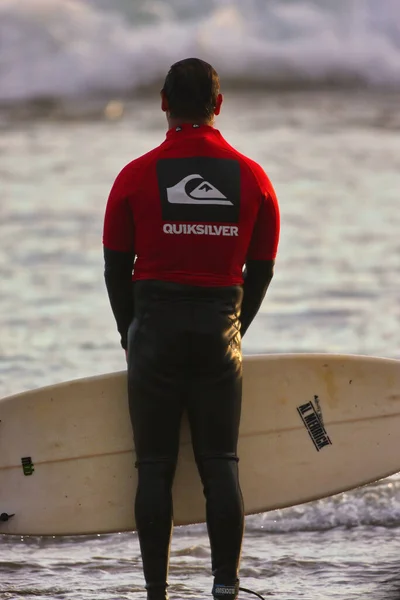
70, 48
311, 92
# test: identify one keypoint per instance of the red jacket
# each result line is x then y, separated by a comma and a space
193, 210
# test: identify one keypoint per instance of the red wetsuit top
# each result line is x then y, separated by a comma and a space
193, 211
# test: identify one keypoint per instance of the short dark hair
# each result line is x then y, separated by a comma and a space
191, 88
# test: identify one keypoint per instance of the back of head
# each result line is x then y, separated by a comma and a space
191, 88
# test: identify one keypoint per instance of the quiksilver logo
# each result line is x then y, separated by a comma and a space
197, 229
203, 193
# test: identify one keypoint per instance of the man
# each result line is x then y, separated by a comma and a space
187, 218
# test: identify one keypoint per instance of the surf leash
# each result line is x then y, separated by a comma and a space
242, 589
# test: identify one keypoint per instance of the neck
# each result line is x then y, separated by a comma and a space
175, 122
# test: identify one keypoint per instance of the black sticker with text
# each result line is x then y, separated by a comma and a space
314, 425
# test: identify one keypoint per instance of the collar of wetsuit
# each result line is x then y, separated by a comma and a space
190, 129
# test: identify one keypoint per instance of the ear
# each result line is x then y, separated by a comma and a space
218, 104
164, 102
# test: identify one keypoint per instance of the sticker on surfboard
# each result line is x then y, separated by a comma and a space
312, 419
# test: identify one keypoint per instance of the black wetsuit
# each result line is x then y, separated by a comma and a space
184, 353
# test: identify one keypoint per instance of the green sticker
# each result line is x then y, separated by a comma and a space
27, 465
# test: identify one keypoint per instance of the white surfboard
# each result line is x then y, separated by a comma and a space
312, 425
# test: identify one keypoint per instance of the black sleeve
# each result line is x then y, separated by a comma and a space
118, 267
257, 277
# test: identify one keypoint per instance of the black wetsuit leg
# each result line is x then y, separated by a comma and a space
214, 408
184, 351
155, 388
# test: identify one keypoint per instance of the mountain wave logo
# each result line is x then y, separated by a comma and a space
203, 193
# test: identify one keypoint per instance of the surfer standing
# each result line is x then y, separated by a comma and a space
197, 223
